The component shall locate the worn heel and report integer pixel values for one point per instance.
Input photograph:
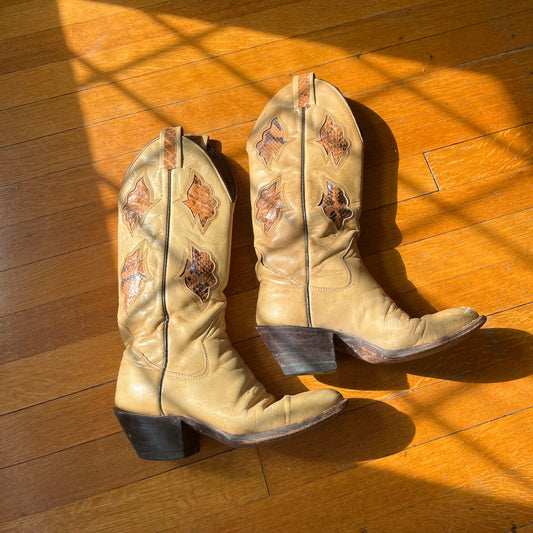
(300, 350)
(158, 438)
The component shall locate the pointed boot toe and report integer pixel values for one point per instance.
(315, 404)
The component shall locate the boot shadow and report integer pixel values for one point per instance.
(370, 430)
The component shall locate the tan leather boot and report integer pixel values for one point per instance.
(306, 155)
(179, 374)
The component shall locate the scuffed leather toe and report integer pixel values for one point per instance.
(312, 403)
(446, 323)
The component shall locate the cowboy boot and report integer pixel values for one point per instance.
(306, 154)
(179, 375)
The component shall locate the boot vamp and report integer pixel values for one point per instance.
(228, 396)
(363, 310)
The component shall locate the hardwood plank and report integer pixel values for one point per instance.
(35, 16)
(99, 182)
(186, 22)
(443, 211)
(39, 471)
(442, 95)
(97, 360)
(57, 425)
(65, 370)
(58, 234)
(82, 38)
(131, 95)
(175, 498)
(489, 155)
(102, 465)
(420, 474)
(68, 189)
(58, 277)
(490, 243)
(502, 503)
(448, 210)
(478, 289)
(58, 322)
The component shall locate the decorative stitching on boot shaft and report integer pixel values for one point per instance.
(201, 201)
(132, 277)
(198, 273)
(138, 202)
(333, 140)
(269, 205)
(272, 141)
(335, 204)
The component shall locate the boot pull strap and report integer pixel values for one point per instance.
(171, 153)
(303, 90)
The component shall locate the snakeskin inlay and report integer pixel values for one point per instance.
(304, 90)
(171, 141)
(137, 204)
(200, 201)
(198, 273)
(269, 206)
(335, 205)
(132, 277)
(272, 141)
(333, 140)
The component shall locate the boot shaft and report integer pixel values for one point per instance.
(306, 156)
(174, 240)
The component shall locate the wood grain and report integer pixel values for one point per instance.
(177, 497)
(382, 486)
(442, 94)
(497, 504)
(110, 100)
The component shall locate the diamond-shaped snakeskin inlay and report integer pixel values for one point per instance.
(132, 277)
(272, 141)
(198, 273)
(137, 204)
(200, 201)
(333, 140)
(335, 205)
(269, 206)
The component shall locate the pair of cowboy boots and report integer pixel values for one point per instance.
(179, 375)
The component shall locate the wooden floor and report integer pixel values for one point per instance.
(442, 92)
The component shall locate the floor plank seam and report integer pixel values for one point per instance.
(522, 124)
(60, 26)
(262, 469)
(61, 397)
(461, 228)
(431, 172)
